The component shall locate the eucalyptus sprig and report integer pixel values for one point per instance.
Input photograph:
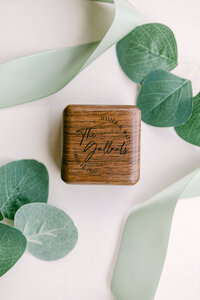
(147, 55)
(46, 231)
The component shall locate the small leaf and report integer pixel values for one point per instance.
(12, 246)
(147, 48)
(50, 232)
(190, 131)
(22, 182)
(165, 99)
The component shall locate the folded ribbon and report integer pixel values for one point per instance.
(145, 240)
(37, 76)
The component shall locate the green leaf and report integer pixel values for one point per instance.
(165, 99)
(147, 48)
(12, 246)
(50, 232)
(190, 131)
(22, 182)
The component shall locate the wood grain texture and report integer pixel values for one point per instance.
(101, 144)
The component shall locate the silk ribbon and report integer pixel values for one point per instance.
(37, 76)
(145, 241)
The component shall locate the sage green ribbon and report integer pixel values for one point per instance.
(37, 76)
(145, 240)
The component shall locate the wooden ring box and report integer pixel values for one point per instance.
(101, 144)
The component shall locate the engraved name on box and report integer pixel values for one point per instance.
(89, 144)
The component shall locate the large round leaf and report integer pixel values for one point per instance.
(12, 246)
(50, 232)
(165, 99)
(190, 131)
(22, 182)
(147, 48)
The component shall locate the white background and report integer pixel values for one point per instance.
(181, 272)
(33, 131)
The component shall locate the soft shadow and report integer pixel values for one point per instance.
(55, 144)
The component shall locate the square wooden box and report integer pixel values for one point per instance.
(101, 144)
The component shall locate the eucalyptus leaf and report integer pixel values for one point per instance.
(49, 231)
(22, 182)
(147, 48)
(12, 246)
(165, 99)
(190, 131)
